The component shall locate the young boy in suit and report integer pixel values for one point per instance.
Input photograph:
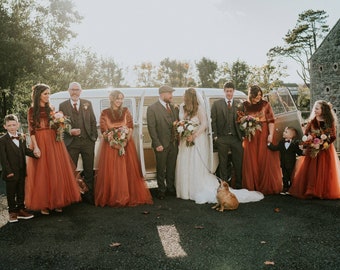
(289, 148)
(13, 151)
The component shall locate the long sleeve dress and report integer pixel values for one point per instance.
(318, 176)
(51, 181)
(119, 181)
(261, 167)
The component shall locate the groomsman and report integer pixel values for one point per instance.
(160, 117)
(227, 135)
(83, 135)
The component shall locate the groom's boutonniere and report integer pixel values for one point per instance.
(86, 106)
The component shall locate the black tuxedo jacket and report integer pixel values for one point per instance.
(13, 158)
(219, 117)
(87, 116)
(287, 156)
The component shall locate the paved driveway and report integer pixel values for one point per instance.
(279, 232)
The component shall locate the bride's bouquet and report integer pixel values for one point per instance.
(184, 129)
(60, 123)
(117, 138)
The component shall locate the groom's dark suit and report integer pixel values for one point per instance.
(160, 126)
(227, 136)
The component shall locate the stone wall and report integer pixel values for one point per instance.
(325, 73)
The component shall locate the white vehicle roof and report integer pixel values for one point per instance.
(137, 92)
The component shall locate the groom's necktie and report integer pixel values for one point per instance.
(168, 108)
(229, 104)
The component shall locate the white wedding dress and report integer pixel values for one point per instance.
(193, 179)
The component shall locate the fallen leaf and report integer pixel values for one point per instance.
(199, 227)
(269, 263)
(115, 244)
(276, 210)
(263, 242)
(145, 212)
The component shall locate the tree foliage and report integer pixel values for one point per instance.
(175, 73)
(207, 73)
(32, 35)
(302, 41)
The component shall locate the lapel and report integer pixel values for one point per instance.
(224, 109)
(84, 113)
(11, 143)
(164, 113)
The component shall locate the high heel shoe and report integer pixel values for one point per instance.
(58, 210)
(44, 211)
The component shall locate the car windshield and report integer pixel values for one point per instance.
(281, 101)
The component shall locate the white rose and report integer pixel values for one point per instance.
(323, 137)
(304, 138)
(190, 128)
(180, 129)
(123, 136)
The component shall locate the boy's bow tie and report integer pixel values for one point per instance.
(15, 137)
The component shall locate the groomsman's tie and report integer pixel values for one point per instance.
(229, 104)
(168, 108)
(75, 107)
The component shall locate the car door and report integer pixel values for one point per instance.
(139, 134)
(213, 156)
(285, 111)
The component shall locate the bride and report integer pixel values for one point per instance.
(193, 179)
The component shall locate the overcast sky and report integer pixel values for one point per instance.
(133, 31)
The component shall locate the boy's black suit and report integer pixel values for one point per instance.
(287, 158)
(13, 160)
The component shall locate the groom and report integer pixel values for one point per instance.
(160, 117)
(227, 135)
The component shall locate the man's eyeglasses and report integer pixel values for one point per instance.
(75, 90)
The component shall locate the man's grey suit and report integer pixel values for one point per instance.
(83, 144)
(160, 126)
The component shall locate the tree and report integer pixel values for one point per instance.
(175, 73)
(239, 74)
(32, 35)
(207, 73)
(302, 41)
(267, 76)
(146, 74)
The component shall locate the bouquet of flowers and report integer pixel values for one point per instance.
(117, 138)
(249, 124)
(316, 141)
(60, 123)
(184, 129)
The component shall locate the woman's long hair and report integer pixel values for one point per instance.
(37, 90)
(328, 113)
(190, 102)
(113, 96)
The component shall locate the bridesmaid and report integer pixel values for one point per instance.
(119, 181)
(318, 172)
(51, 183)
(261, 168)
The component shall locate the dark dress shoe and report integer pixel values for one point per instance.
(161, 195)
(171, 193)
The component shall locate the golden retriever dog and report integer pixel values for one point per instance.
(225, 199)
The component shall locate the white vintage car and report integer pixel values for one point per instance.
(138, 99)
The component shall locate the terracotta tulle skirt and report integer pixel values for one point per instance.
(119, 180)
(261, 169)
(50, 179)
(317, 177)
